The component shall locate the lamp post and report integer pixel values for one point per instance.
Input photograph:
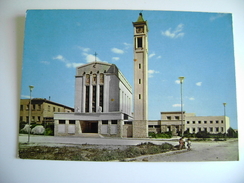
(181, 91)
(29, 121)
(225, 117)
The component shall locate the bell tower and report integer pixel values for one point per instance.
(140, 124)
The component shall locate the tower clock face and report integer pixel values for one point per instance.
(139, 29)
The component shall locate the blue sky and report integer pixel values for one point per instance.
(198, 46)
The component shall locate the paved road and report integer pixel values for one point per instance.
(201, 151)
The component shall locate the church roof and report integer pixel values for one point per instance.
(140, 18)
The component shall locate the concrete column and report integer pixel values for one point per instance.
(100, 127)
(98, 92)
(66, 126)
(77, 127)
(109, 127)
(90, 95)
(55, 127)
(120, 128)
(83, 100)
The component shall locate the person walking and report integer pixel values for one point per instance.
(189, 144)
(181, 143)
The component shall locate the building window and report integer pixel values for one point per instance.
(21, 107)
(222, 129)
(211, 122)
(169, 117)
(33, 107)
(87, 79)
(139, 66)
(205, 129)
(33, 118)
(39, 118)
(101, 78)
(101, 97)
(199, 122)
(39, 107)
(177, 117)
(139, 81)
(53, 109)
(139, 42)
(205, 122)
(211, 129)
(72, 122)
(104, 122)
(58, 109)
(188, 122)
(199, 129)
(114, 122)
(94, 81)
(94, 101)
(139, 96)
(193, 129)
(217, 129)
(193, 122)
(87, 98)
(222, 121)
(48, 108)
(27, 107)
(61, 121)
(217, 121)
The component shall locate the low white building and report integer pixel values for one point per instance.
(103, 100)
(171, 121)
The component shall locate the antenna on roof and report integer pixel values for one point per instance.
(49, 97)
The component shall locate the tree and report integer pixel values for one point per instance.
(232, 133)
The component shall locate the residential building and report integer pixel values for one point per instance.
(42, 110)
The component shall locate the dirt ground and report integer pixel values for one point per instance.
(88, 152)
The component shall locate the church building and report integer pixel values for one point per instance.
(103, 100)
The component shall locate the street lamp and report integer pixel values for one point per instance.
(225, 117)
(31, 88)
(181, 91)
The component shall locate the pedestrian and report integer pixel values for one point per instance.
(181, 143)
(189, 144)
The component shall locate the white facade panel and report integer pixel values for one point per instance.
(71, 129)
(61, 128)
(104, 129)
(114, 129)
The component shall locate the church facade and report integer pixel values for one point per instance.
(103, 100)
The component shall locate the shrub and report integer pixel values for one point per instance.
(202, 134)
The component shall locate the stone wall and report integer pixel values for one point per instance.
(140, 128)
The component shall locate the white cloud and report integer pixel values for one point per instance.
(151, 55)
(199, 83)
(151, 73)
(59, 57)
(191, 98)
(177, 105)
(176, 33)
(127, 45)
(25, 96)
(219, 15)
(177, 81)
(90, 58)
(158, 57)
(84, 49)
(45, 62)
(67, 63)
(115, 58)
(116, 50)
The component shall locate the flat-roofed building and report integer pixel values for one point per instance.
(171, 121)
